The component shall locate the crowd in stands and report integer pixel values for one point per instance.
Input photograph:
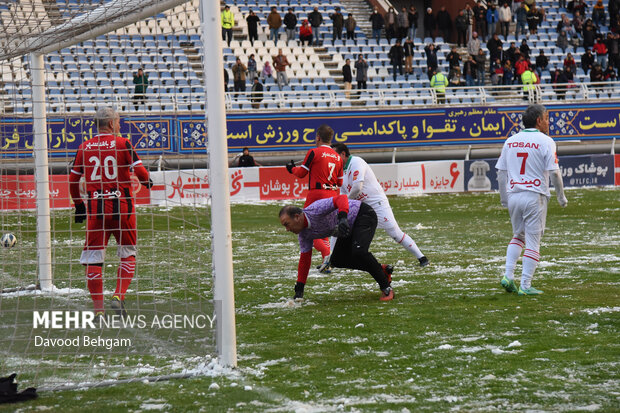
(479, 28)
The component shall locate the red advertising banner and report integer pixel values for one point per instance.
(617, 169)
(277, 183)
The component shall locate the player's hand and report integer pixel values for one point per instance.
(563, 202)
(344, 230)
(80, 213)
(290, 166)
(504, 203)
(299, 290)
(148, 184)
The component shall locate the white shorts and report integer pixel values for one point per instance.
(528, 214)
(385, 216)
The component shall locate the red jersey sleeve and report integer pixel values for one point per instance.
(77, 170)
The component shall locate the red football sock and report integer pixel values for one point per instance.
(124, 276)
(322, 245)
(94, 281)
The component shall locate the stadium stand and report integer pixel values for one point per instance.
(167, 45)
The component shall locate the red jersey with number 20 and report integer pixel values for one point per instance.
(325, 167)
(106, 162)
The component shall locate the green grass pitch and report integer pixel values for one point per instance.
(452, 340)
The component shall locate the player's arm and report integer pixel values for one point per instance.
(556, 180)
(303, 267)
(358, 174)
(502, 181)
(138, 168)
(301, 171)
(74, 188)
(341, 202)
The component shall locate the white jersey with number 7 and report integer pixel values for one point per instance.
(528, 157)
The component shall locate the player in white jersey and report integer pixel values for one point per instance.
(527, 162)
(360, 183)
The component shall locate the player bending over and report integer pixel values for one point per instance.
(324, 168)
(527, 162)
(359, 182)
(106, 161)
(353, 222)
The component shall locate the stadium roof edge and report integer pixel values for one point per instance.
(104, 19)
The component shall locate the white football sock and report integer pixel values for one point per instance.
(530, 262)
(513, 252)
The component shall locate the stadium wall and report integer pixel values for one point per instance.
(190, 187)
(285, 131)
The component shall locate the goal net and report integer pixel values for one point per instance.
(170, 327)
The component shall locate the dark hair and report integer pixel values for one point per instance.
(245, 148)
(532, 114)
(325, 133)
(340, 148)
(290, 210)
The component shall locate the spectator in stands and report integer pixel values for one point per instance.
(402, 21)
(473, 45)
(429, 24)
(305, 33)
(347, 77)
(239, 70)
(562, 41)
(244, 159)
(274, 20)
(252, 68)
(470, 71)
(267, 72)
(460, 23)
(469, 17)
(587, 61)
(480, 16)
(337, 24)
(559, 79)
(600, 48)
(349, 25)
(562, 4)
(409, 49)
(521, 20)
(589, 34)
(431, 59)
(444, 24)
(413, 16)
(570, 62)
(316, 19)
(226, 78)
(290, 23)
(481, 61)
(141, 83)
(598, 14)
(492, 19)
(495, 47)
(565, 25)
(455, 79)
(505, 17)
(511, 53)
(533, 19)
(228, 21)
(376, 20)
(578, 22)
(525, 49)
(497, 72)
(508, 72)
(396, 55)
(361, 75)
(542, 62)
(454, 61)
(575, 42)
(439, 82)
(257, 96)
(280, 62)
(521, 66)
(610, 75)
(579, 6)
(596, 74)
(252, 21)
(390, 25)
(528, 80)
(613, 46)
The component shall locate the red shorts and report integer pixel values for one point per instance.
(316, 194)
(109, 216)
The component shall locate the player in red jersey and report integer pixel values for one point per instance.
(325, 172)
(106, 162)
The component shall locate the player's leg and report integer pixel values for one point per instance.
(535, 216)
(386, 220)
(127, 239)
(92, 258)
(515, 246)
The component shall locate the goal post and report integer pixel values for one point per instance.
(46, 228)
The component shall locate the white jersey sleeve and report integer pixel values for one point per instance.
(528, 157)
(358, 170)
